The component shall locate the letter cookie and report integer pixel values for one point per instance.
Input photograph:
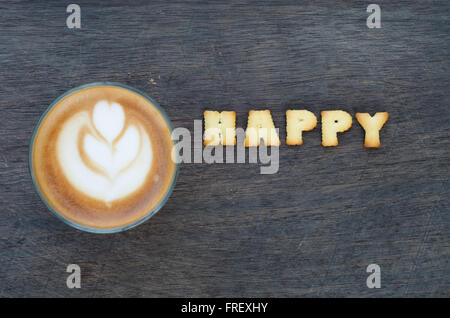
(298, 121)
(372, 127)
(260, 125)
(334, 121)
(220, 128)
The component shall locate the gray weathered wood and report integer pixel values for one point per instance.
(309, 230)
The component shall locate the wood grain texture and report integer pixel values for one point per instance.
(309, 230)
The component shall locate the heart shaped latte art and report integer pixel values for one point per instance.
(109, 119)
(112, 160)
(111, 157)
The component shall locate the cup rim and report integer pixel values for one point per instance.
(81, 227)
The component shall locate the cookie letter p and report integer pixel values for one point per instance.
(298, 121)
(334, 121)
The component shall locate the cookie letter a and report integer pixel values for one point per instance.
(260, 125)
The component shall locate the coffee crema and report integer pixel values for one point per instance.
(101, 157)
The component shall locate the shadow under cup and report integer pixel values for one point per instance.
(146, 207)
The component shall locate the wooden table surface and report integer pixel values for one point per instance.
(309, 230)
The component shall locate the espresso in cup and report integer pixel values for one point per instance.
(101, 157)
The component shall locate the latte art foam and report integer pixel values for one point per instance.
(100, 156)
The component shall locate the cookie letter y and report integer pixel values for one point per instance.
(372, 127)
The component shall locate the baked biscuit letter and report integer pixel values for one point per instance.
(298, 121)
(260, 125)
(372, 127)
(220, 128)
(334, 121)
